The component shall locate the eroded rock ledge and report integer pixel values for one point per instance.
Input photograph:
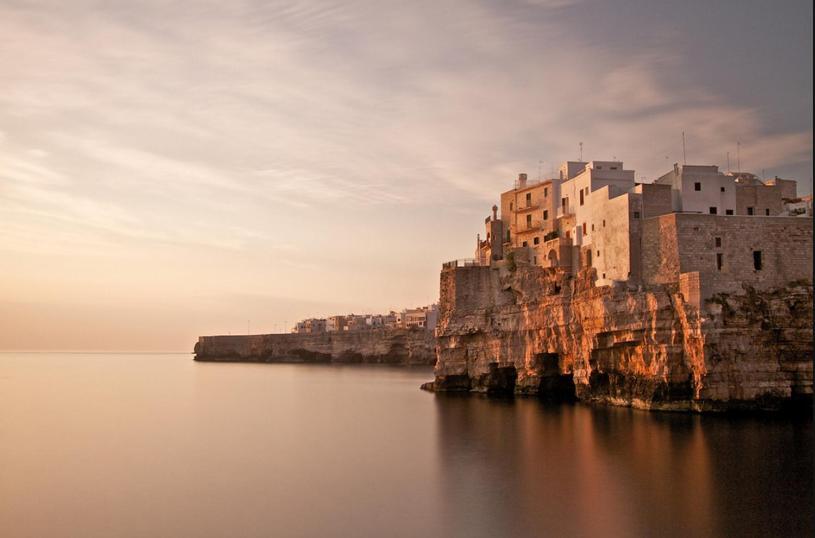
(544, 332)
(385, 345)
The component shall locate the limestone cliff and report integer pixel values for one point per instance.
(382, 345)
(540, 331)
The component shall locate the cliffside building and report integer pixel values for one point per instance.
(694, 225)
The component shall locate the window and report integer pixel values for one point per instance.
(757, 260)
(718, 241)
(563, 202)
(584, 229)
(581, 196)
(728, 211)
(604, 223)
(719, 257)
(697, 186)
(536, 240)
(767, 212)
(713, 210)
(545, 192)
(636, 214)
(604, 275)
(722, 189)
(526, 244)
(545, 214)
(510, 206)
(749, 210)
(613, 167)
(598, 253)
(567, 234)
(507, 236)
(529, 221)
(528, 199)
(598, 167)
(592, 226)
(534, 260)
(488, 236)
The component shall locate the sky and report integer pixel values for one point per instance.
(174, 169)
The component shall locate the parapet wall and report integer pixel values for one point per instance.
(381, 345)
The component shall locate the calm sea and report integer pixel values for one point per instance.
(157, 445)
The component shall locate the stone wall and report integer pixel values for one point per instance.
(761, 198)
(381, 345)
(682, 242)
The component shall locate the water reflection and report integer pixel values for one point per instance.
(523, 468)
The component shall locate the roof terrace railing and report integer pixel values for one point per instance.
(462, 262)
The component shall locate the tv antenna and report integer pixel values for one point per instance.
(738, 156)
(581, 151)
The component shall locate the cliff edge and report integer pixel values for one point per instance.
(380, 345)
(543, 331)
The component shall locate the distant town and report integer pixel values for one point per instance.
(423, 317)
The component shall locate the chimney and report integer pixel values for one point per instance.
(521, 181)
(495, 212)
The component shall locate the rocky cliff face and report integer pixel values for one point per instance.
(544, 332)
(391, 346)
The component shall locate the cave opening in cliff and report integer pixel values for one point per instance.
(500, 380)
(554, 384)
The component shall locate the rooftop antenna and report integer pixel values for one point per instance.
(738, 156)
(581, 151)
(684, 155)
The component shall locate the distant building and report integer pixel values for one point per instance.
(335, 324)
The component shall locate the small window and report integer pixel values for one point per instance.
(604, 223)
(636, 214)
(581, 196)
(767, 212)
(529, 221)
(529, 198)
(749, 210)
(728, 211)
(568, 235)
(613, 167)
(545, 192)
(545, 214)
(722, 189)
(697, 186)
(584, 229)
(592, 226)
(536, 241)
(598, 253)
(534, 260)
(510, 206)
(525, 243)
(507, 236)
(713, 210)
(719, 258)
(604, 275)
(757, 260)
(598, 167)
(563, 204)
(718, 241)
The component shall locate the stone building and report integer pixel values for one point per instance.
(594, 214)
(310, 326)
(335, 324)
